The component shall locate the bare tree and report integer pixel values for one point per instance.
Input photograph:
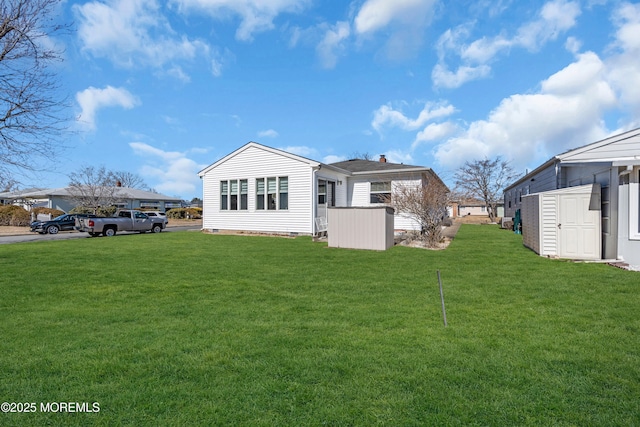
(485, 180)
(33, 113)
(8, 184)
(93, 188)
(426, 203)
(360, 156)
(128, 180)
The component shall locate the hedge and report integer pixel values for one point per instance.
(15, 216)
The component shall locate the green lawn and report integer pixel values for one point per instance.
(192, 329)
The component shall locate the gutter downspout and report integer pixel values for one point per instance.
(314, 188)
(627, 172)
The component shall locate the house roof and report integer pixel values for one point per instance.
(123, 192)
(348, 167)
(251, 144)
(360, 166)
(17, 193)
(622, 148)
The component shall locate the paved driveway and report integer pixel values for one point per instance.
(66, 235)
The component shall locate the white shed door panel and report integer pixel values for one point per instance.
(579, 228)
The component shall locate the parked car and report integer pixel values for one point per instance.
(63, 222)
(158, 214)
(124, 220)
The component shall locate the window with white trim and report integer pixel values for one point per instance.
(272, 193)
(224, 195)
(283, 193)
(260, 193)
(244, 194)
(322, 192)
(233, 185)
(233, 194)
(380, 192)
(633, 182)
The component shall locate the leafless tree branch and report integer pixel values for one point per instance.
(426, 203)
(485, 180)
(93, 188)
(33, 113)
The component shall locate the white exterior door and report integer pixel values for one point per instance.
(579, 228)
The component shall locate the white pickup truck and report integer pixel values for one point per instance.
(124, 220)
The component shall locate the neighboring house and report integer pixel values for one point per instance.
(562, 195)
(62, 199)
(13, 197)
(474, 207)
(262, 189)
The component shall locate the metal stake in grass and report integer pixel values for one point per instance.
(444, 313)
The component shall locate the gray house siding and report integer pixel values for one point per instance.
(543, 180)
(614, 164)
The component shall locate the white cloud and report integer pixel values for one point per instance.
(555, 18)
(565, 113)
(402, 21)
(179, 74)
(269, 133)
(443, 77)
(132, 33)
(386, 115)
(375, 15)
(399, 156)
(301, 150)
(624, 65)
(173, 171)
(92, 99)
(434, 132)
(332, 158)
(332, 44)
(255, 15)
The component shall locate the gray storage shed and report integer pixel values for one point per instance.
(361, 227)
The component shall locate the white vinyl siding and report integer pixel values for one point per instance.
(361, 196)
(251, 164)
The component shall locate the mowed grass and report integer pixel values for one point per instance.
(193, 329)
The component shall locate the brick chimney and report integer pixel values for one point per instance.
(383, 159)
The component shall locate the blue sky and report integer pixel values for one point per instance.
(165, 88)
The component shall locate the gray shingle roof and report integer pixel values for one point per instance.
(359, 165)
(125, 193)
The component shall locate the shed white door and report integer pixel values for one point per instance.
(579, 228)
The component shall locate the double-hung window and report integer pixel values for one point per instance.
(224, 195)
(283, 193)
(244, 194)
(380, 192)
(260, 194)
(233, 194)
(272, 193)
(322, 192)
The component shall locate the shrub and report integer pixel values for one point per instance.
(15, 216)
(185, 213)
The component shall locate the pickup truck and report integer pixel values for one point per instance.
(124, 220)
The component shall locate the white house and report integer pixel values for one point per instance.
(262, 189)
(610, 169)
